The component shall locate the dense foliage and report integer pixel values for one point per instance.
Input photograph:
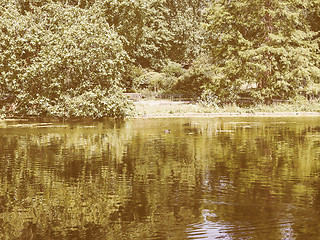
(69, 58)
(61, 61)
(263, 48)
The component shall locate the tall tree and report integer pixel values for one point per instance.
(142, 27)
(157, 30)
(185, 22)
(265, 48)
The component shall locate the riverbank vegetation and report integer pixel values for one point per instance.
(75, 58)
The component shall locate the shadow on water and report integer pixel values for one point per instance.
(222, 178)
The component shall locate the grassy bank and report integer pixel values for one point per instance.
(166, 108)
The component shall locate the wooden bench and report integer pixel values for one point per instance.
(133, 96)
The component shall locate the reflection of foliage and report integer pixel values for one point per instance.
(77, 181)
(74, 205)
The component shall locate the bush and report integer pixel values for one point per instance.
(95, 103)
(194, 80)
(154, 81)
(173, 69)
(208, 99)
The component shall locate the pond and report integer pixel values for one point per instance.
(179, 178)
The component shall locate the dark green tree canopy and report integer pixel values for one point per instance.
(265, 46)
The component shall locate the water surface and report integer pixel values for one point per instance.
(206, 178)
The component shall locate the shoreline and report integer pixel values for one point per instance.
(192, 115)
(148, 109)
(180, 109)
(230, 114)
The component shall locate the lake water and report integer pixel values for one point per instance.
(208, 178)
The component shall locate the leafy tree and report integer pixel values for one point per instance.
(157, 30)
(263, 48)
(185, 22)
(60, 52)
(142, 27)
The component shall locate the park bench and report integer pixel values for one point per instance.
(134, 96)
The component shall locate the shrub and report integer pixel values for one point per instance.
(195, 79)
(208, 99)
(95, 103)
(173, 69)
(153, 81)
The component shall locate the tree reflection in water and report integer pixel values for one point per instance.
(235, 178)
